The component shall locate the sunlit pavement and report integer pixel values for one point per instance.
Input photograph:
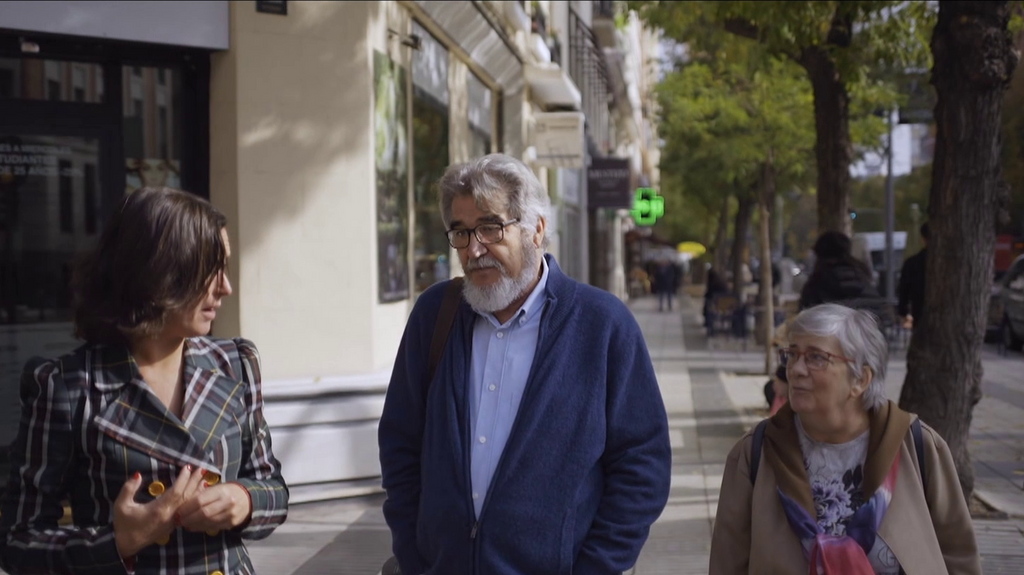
(713, 394)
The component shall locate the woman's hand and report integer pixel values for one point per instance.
(139, 525)
(216, 508)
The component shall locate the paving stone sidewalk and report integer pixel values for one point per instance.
(713, 394)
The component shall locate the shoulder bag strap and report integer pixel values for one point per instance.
(915, 430)
(445, 319)
(755, 450)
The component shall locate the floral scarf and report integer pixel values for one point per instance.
(832, 554)
(842, 554)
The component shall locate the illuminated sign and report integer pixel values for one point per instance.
(648, 206)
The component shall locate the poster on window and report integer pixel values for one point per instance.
(391, 160)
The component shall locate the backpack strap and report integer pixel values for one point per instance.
(445, 319)
(755, 449)
(915, 430)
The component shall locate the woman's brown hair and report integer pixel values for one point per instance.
(157, 255)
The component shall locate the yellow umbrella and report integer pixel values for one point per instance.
(693, 248)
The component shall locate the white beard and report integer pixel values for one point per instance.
(494, 298)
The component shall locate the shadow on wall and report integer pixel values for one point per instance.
(305, 152)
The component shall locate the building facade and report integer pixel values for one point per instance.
(319, 129)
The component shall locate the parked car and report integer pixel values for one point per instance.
(1011, 300)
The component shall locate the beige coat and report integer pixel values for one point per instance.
(930, 532)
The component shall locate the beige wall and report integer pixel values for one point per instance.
(292, 166)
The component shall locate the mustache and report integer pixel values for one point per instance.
(484, 262)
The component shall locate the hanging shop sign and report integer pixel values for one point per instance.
(558, 140)
(608, 184)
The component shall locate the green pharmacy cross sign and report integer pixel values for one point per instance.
(648, 206)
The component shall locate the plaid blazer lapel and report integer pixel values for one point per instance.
(135, 417)
(214, 400)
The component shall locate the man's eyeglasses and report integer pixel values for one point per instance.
(814, 358)
(485, 234)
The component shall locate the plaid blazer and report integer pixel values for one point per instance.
(89, 422)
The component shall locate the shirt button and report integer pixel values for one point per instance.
(483, 439)
(476, 496)
(492, 387)
(501, 335)
(522, 320)
(156, 489)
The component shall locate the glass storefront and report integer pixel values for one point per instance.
(49, 191)
(430, 155)
(152, 131)
(52, 80)
(79, 129)
(480, 98)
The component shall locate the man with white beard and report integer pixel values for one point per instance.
(540, 445)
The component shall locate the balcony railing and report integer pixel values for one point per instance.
(588, 70)
(604, 9)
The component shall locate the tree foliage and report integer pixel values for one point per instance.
(849, 51)
(722, 116)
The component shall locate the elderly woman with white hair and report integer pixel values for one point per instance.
(840, 480)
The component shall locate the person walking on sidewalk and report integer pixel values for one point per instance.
(864, 487)
(666, 282)
(911, 296)
(540, 445)
(153, 431)
(839, 277)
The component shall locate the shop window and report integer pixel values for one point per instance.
(152, 142)
(54, 80)
(430, 117)
(66, 197)
(480, 98)
(90, 200)
(39, 175)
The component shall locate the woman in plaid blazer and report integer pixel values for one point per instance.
(151, 431)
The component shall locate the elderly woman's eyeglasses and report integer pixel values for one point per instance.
(485, 234)
(814, 358)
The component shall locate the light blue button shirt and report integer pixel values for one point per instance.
(502, 356)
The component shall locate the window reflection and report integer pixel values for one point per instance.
(480, 97)
(152, 116)
(48, 217)
(55, 80)
(430, 158)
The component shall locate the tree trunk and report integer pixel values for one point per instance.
(739, 243)
(974, 62)
(832, 144)
(767, 198)
(722, 236)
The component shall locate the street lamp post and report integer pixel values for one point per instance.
(890, 220)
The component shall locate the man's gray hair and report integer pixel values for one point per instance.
(859, 339)
(499, 183)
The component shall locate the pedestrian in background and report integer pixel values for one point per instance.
(863, 487)
(911, 302)
(540, 444)
(152, 431)
(838, 277)
(666, 280)
(715, 287)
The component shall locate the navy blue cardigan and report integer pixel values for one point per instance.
(586, 470)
